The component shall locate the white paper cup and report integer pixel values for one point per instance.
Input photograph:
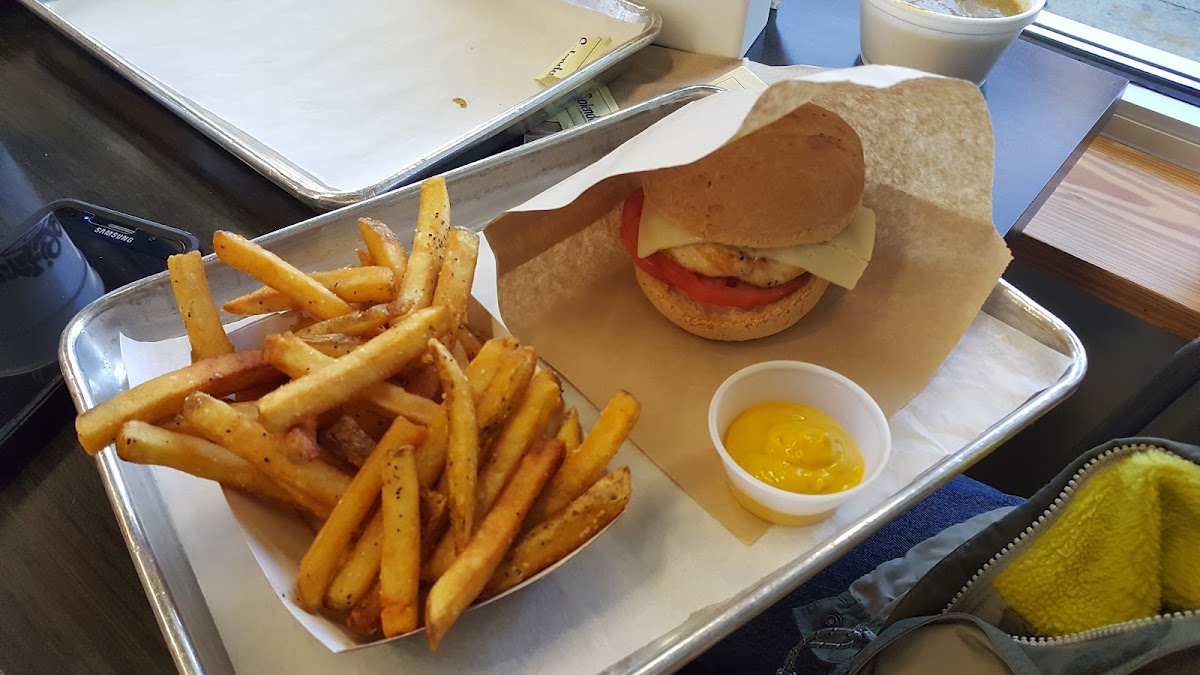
(895, 33)
(44, 282)
(836, 395)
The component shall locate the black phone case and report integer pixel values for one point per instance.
(191, 243)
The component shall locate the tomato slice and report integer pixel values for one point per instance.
(723, 291)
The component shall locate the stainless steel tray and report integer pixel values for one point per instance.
(441, 136)
(145, 311)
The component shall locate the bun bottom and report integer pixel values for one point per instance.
(733, 324)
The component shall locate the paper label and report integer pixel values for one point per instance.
(592, 105)
(586, 50)
(596, 103)
(740, 78)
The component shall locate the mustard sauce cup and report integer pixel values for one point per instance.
(843, 400)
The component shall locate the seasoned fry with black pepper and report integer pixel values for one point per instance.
(420, 276)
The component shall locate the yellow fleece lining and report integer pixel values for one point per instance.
(1127, 546)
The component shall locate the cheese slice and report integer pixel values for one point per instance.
(841, 260)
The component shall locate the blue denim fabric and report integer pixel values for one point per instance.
(761, 645)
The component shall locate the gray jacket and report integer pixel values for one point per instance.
(936, 609)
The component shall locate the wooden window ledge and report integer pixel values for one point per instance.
(1125, 227)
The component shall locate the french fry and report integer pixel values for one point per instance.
(431, 455)
(399, 572)
(462, 448)
(526, 425)
(320, 563)
(364, 619)
(334, 344)
(364, 258)
(503, 394)
(422, 380)
(455, 590)
(507, 369)
(457, 274)
(144, 443)
(435, 563)
(375, 425)
(300, 442)
(309, 295)
(252, 394)
(460, 355)
(302, 321)
(569, 430)
(196, 307)
(223, 425)
(435, 516)
(483, 368)
(297, 359)
(470, 342)
(549, 542)
(382, 246)
(163, 396)
(420, 276)
(347, 441)
(371, 285)
(177, 423)
(362, 565)
(366, 322)
(360, 570)
(344, 378)
(313, 521)
(581, 468)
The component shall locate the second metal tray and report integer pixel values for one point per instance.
(391, 73)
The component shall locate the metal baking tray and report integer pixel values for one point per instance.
(332, 176)
(145, 311)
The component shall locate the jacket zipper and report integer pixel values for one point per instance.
(1105, 631)
(1048, 517)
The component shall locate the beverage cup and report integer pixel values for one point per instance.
(44, 282)
(897, 33)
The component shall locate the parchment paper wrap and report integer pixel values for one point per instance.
(566, 284)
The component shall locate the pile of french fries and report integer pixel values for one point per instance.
(437, 469)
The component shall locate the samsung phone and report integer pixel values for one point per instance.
(120, 249)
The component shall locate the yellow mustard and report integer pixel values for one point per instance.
(794, 447)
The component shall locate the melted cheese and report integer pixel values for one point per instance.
(841, 260)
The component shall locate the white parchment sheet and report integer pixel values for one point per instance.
(660, 562)
(348, 92)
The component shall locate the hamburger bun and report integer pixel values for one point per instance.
(815, 179)
(731, 323)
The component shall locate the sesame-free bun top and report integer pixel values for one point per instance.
(796, 181)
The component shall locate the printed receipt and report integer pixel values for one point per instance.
(740, 78)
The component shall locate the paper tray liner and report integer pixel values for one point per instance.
(566, 285)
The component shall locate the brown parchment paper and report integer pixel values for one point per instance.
(566, 285)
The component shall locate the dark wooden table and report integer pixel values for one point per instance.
(70, 600)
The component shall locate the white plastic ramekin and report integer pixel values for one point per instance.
(840, 398)
(896, 33)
